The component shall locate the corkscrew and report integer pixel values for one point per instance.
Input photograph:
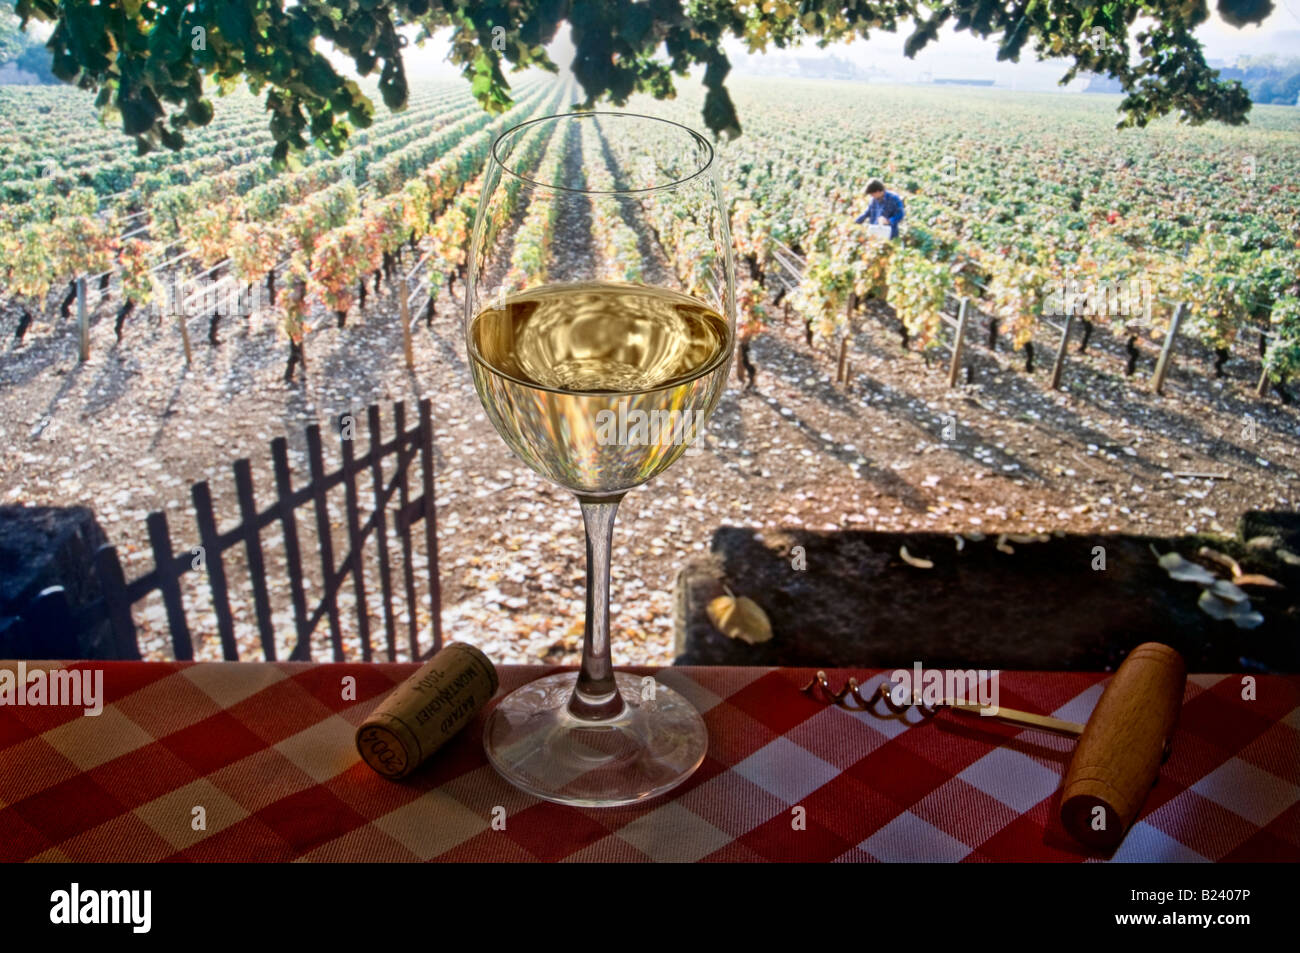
(1010, 716)
(1117, 759)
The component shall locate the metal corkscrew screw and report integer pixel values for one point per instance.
(1010, 716)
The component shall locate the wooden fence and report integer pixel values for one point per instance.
(399, 502)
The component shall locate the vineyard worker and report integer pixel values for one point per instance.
(884, 205)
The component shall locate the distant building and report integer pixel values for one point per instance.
(828, 67)
(958, 81)
(804, 67)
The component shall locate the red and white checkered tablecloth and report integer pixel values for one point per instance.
(267, 751)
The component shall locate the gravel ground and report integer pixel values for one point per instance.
(127, 432)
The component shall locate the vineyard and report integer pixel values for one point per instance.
(163, 314)
(224, 220)
(1029, 220)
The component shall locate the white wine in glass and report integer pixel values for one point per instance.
(598, 384)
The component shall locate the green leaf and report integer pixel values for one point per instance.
(235, 20)
(137, 116)
(199, 112)
(720, 113)
(1241, 13)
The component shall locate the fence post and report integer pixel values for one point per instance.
(301, 651)
(356, 542)
(83, 323)
(1167, 352)
(1059, 365)
(215, 568)
(959, 342)
(844, 357)
(381, 523)
(430, 520)
(403, 517)
(333, 579)
(169, 585)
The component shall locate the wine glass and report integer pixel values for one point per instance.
(599, 321)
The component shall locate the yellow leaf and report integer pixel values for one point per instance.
(916, 561)
(1028, 537)
(1254, 579)
(740, 618)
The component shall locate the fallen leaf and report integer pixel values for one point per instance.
(1255, 579)
(1183, 570)
(1003, 546)
(1240, 614)
(1228, 592)
(1223, 559)
(916, 561)
(740, 618)
(960, 541)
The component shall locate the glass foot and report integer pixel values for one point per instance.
(653, 746)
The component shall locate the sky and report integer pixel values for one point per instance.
(953, 55)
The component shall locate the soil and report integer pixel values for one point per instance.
(893, 451)
(852, 599)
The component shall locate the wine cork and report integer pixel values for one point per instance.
(426, 710)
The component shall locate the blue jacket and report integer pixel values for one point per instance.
(889, 207)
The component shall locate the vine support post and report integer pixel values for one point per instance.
(1059, 364)
(404, 315)
(1261, 388)
(83, 323)
(841, 369)
(185, 335)
(1167, 352)
(959, 341)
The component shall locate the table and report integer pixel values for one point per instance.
(256, 761)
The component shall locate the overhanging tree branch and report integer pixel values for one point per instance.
(154, 62)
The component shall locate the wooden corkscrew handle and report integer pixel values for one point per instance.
(1126, 739)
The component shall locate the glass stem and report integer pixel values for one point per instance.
(596, 696)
